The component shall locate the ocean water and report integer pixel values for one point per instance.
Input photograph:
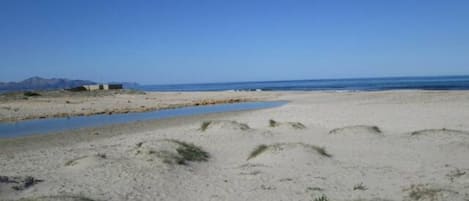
(361, 84)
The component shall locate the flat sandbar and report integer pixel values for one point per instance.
(49, 104)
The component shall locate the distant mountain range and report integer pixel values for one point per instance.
(38, 83)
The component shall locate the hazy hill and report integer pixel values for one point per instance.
(38, 83)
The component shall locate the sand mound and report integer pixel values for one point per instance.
(57, 198)
(440, 132)
(86, 161)
(294, 125)
(223, 124)
(357, 130)
(287, 153)
(170, 151)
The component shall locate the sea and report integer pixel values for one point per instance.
(356, 84)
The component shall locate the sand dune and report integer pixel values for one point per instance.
(170, 152)
(223, 125)
(86, 161)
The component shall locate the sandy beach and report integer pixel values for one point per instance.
(350, 146)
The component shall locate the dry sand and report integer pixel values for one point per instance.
(394, 145)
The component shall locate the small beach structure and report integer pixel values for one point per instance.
(95, 87)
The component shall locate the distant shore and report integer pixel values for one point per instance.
(52, 104)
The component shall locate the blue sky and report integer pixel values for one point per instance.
(193, 41)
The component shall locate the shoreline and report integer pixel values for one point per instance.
(72, 104)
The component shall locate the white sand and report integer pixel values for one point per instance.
(396, 145)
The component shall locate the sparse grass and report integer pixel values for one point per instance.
(322, 151)
(376, 129)
(280, 146)
(74, 161)
(22, 183)
(321, 198)
(57, 198)
(183, 152)
(422, 192)
(190, 152)
(273, 123)
(314, 189)
(101, 155)
(455, 174)
(243, 126)
(31, 93)
(426, 131)
(258, 150)
(373, 129)
(205, 125)
(360, 187)
(297, 125)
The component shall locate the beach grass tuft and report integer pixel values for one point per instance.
(273, 123)
(258, 150)
(295, 125)
(31, 93)
(360, 187)
(281, 146)
(422, 192)
(321, 198)
(190, 152)
(322, 151)
(205, 125)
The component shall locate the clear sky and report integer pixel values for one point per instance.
(193, 41)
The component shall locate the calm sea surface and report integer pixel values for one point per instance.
(365, 84)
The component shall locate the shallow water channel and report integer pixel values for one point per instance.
(41, 126)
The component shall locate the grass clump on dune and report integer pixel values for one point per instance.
(321, 198)
(429, 131)
(273, 123)
(360, 187)
(295, 125)
(225, 124)
(171, 151)
(322, 151)
(31, 93)
(190, 152)
(258, 150)
(282, 146)
(205, 125)
(422, 192)
(357, 128)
